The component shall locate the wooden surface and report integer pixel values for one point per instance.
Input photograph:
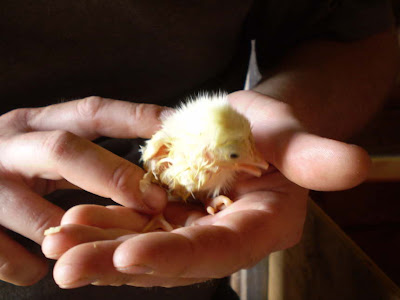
(385, 168)
(252, 284)
(326, 265)
(370, 215)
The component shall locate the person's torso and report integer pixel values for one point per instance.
(149, 51)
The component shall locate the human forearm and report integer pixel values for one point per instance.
(334, 88)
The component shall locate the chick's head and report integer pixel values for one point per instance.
(212, 131)
(234, 146)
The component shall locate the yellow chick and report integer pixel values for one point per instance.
(198, 152)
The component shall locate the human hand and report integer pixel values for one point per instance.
(267, 215)
(49, 148)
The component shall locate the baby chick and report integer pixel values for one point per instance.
(199, 151)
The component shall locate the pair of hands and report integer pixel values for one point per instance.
(49, 148)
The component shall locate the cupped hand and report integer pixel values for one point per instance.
(102, 245)
(49, 148)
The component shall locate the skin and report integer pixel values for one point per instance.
(288, 123)
(43, 148)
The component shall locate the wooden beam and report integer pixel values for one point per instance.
(385, 168)
(326, 265)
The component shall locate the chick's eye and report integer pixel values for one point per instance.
(234, 155)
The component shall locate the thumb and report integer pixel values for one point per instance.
(306, 159)
(319, 163)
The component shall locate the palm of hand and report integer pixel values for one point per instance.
(110, 250)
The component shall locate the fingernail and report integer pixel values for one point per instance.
(136, 269)
(154, 197)
(64, 277)
(77, 283)
(52, 255)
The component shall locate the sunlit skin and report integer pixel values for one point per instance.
(89, 252)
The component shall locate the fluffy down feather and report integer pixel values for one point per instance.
(200, 149)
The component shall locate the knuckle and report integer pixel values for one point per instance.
(49, 217)
(18, 118)
(122, 177)
(17, 114)
(88, 107)
(138, 111)
(58, 143)
(142, 111)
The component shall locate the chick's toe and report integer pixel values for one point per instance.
(158, 222)
(218, 203)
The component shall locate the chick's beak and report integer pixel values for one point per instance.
(253, 165)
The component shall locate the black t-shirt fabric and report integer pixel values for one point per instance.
(158, 52)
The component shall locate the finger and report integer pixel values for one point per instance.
(311, 161)
(60, 239)
(88, 223)
(322, 164)
(92, 263)
(17, 265)
(60, 154)
(112, 216)
(181, 254)
(273, 181)
(25, 212)
(90, 118)
(183, 214)
(235, 240)
(45, 187)
(65, 185)
(85, 263)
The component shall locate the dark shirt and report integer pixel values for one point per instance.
(157, 52)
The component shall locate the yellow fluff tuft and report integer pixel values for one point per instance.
(200, 148)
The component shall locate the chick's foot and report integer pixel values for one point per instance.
(218, 203)
(158, 222)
